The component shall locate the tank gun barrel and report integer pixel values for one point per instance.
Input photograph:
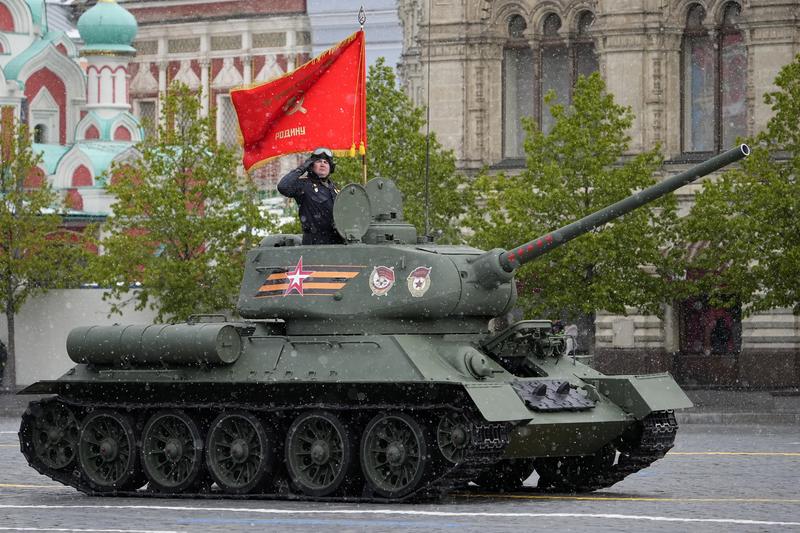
(514, 258)
(497, 265)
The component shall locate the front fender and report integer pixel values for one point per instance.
(641, 395)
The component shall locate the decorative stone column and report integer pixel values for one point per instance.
(247, 56)
(632, 66)
(247, 70)
(205, 87)
(483, 127)
(771, 35)
(163, 64)
(291, 58)
(410, 67)
(446, 51)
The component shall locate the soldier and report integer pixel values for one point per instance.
(314, 194)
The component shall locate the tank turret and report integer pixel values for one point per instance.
(385, 281)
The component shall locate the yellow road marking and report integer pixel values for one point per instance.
(17, 486)
(631, 498)
(765, 454)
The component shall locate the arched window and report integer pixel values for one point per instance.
(562, 63)
(148, 116)
(585, 55)
(714, 81)
(6, 19)
(227, 128)
(122, 134)
(91, 133)
(82, 177)
(518, 87)
(40, 134)
(556, 75)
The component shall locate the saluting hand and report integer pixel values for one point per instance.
(307, 164)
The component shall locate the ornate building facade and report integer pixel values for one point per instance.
(74, 99)
(692, 71)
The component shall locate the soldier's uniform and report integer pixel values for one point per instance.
(314, 197)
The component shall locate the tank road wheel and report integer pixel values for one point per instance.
(319, 455)
(107, 452)
(172, 451)
(453, 436)
(394, 455)
(238, 452)
(53, 434)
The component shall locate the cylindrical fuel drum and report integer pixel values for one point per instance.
(180, 344)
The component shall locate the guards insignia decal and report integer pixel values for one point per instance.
(419, 281)
(381, 280)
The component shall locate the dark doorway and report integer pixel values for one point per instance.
(710, 343)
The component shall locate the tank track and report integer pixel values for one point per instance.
(636, 452)
(650, 440)
(488, 442)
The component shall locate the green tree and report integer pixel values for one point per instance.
(35, 254)
(183, 219)
(577, 169)
(397, 151)
(749, 217)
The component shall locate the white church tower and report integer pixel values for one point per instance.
(107, 30)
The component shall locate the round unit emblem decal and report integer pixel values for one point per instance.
(419, 281)
(381, 280)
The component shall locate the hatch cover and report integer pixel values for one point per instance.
(351, 212)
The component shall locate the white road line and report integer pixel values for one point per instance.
(405, 512)
(84, 530)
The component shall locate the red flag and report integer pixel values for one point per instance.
(322, 103)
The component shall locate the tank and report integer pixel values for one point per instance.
(359, 372)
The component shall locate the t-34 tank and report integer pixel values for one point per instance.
(363, 371)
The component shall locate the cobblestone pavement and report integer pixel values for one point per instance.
(717, 478)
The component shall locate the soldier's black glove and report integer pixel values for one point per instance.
(307, 164)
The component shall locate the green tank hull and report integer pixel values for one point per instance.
(473, 414)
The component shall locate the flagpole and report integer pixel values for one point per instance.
(362, 18)
(248, 230)
(428, 134)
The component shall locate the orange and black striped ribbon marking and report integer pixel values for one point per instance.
(323, 280)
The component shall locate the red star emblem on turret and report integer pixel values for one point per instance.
(296, 278)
